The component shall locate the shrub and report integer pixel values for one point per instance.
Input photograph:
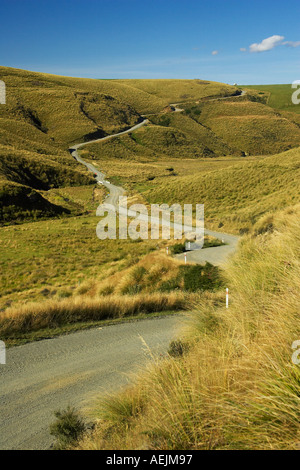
(178, 248)
(67, 429)
(177, 348)
(199, 277)
(171, 284)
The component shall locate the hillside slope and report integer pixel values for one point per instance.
(235, 197)
(45, 113)
(277, 96)
(248, 126)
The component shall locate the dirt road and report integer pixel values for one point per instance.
(71, 370)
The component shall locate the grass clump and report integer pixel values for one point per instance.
(67, 429)
(178, 348)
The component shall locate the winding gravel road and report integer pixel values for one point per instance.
(41, 377)
(72, 370)
(215, 255)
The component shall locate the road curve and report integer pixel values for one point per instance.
(71, 370)
(114, 191)
(214, 255)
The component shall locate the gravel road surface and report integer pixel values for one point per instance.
(47, 375)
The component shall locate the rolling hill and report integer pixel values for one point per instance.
(45, 113)
(235, 196)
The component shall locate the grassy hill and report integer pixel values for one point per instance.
(207, 129)
(177, 91)
(19, 202)
(237, 195)
(278, 96)
(250, 127)
(45, 113)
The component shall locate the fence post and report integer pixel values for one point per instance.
(2, 92)
(2, 353)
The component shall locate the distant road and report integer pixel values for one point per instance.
(114, 191)
(47, 375)
(215, 255)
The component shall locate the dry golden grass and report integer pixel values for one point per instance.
(248, 126)
(175, 91)
(53, 314)
(130, 286)
(148, 275)
(237, 388)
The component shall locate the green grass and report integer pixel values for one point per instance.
(45, 113)
(175, 91)
(248, 126)
(56, 255)
(177, 157)
(280, 96)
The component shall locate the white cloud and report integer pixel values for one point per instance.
(215, 52)
(291, 43)
(267, 44)
(243, 49)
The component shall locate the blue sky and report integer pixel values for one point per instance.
(154, 39)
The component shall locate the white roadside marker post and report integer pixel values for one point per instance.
(167, 250)
(226, 297)
(185, 258)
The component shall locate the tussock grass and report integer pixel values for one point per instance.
(144, 285)
(237, 387)
(52, 314)
(45, 113)
(57, 255)
(147, 275)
